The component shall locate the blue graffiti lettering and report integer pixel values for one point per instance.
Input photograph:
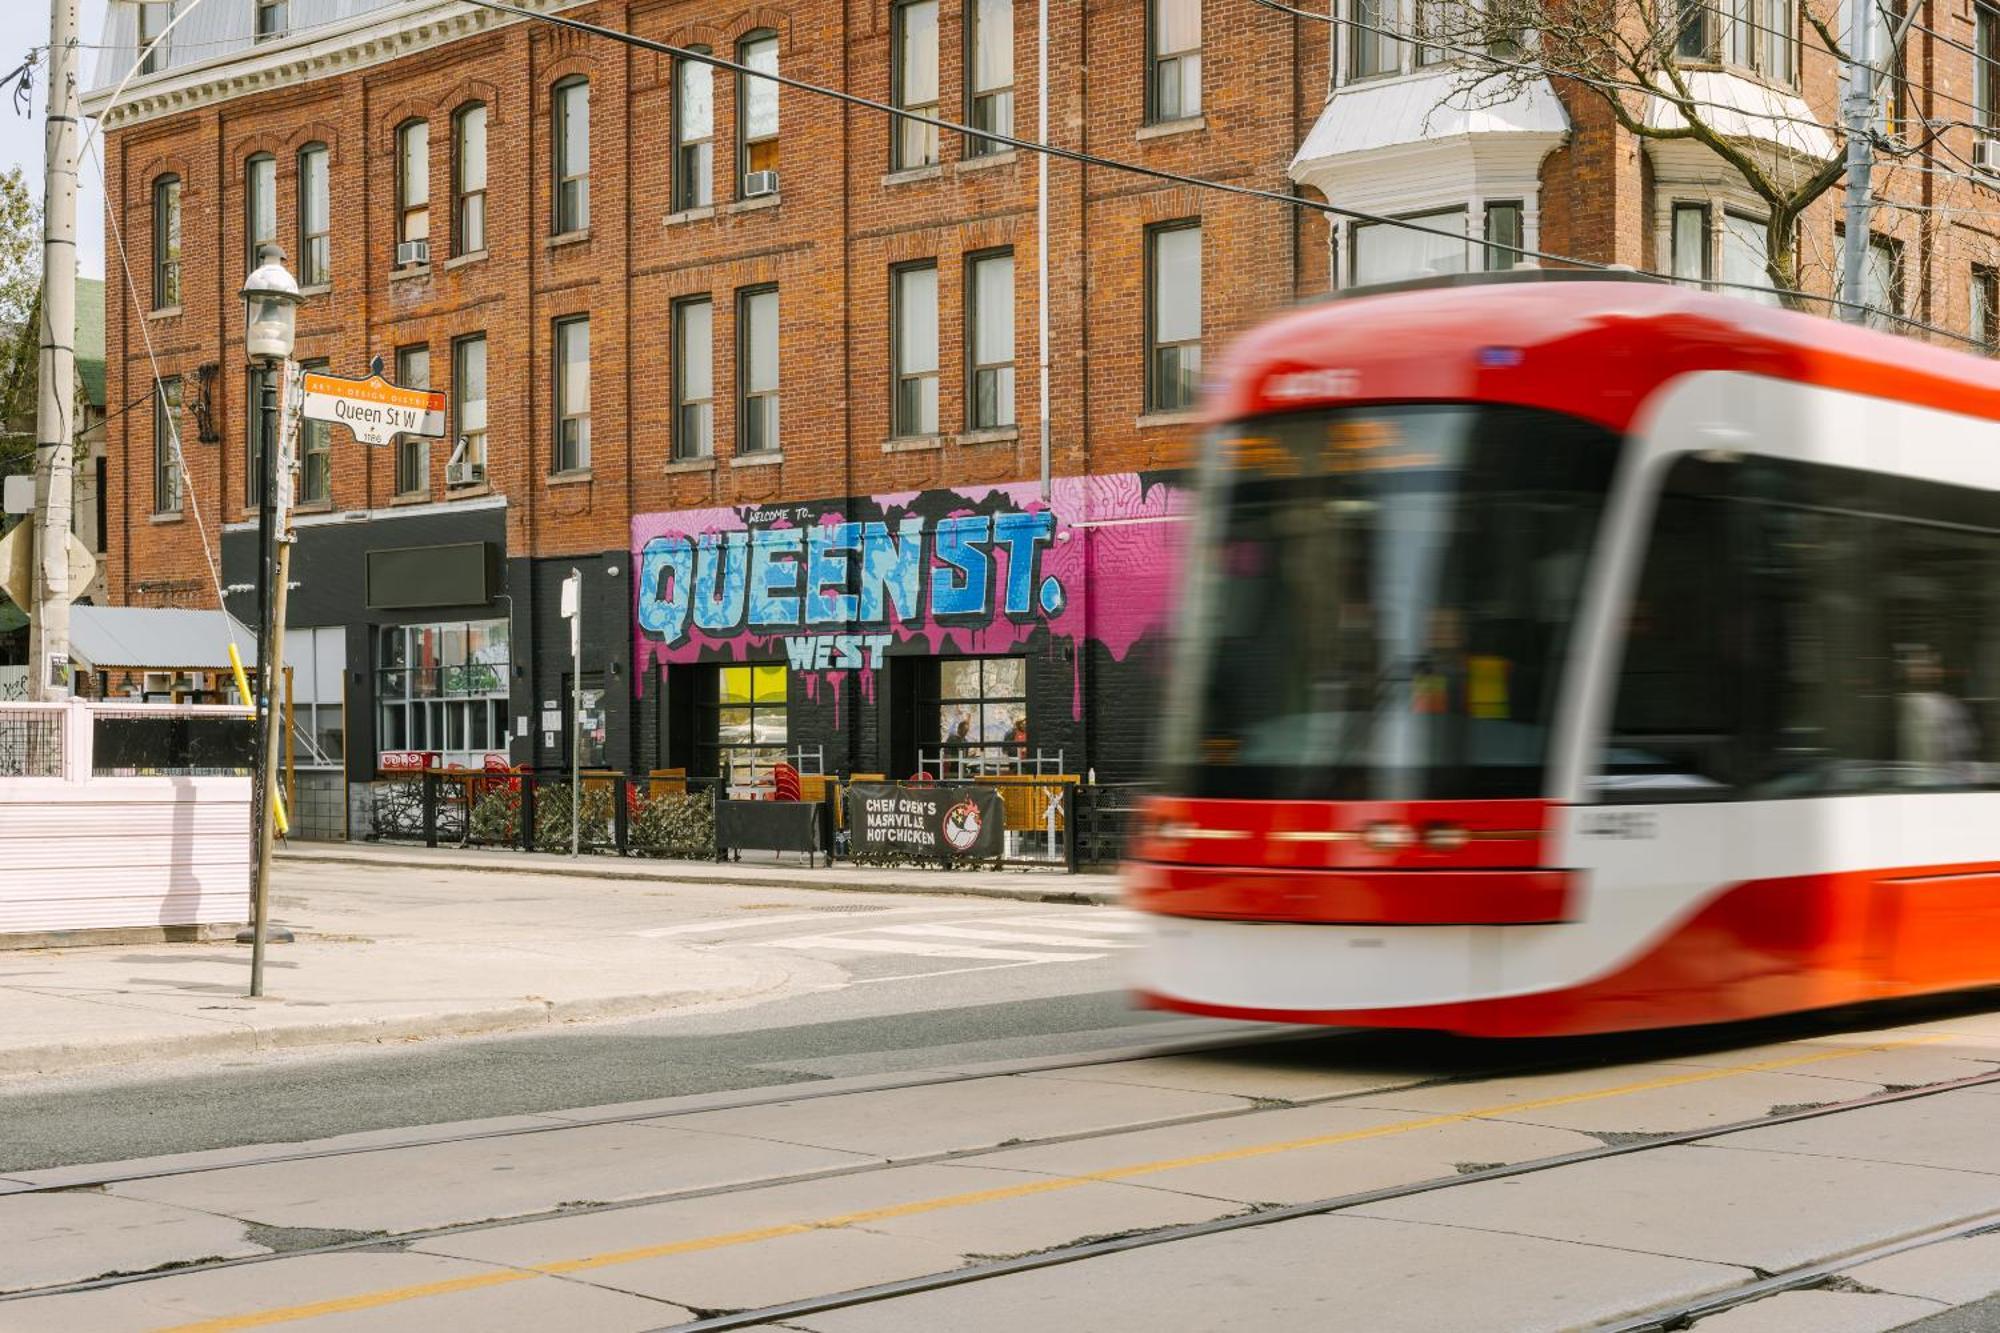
(774, 576)
(891, 566)
(827, 551)
(720, 569)
(958, 585)
(666, 569)
(1021, 533)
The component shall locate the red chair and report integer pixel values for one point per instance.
(784, 783)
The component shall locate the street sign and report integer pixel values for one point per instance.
(19, 492)
(374, 409)
(17, 566)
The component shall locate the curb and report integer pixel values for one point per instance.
(517, 1017)
(1071, 897)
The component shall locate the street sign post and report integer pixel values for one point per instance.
(374, 409)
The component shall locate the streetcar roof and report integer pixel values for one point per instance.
(1592, 344)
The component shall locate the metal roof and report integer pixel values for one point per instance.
(103, 638)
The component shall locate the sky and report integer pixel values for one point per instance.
(25, 24)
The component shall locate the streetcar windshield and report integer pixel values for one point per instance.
(1379, 600)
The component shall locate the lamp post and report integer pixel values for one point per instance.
(270, 303)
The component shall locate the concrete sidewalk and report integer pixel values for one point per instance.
(1037, 885)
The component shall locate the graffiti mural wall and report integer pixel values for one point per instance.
(833, 588)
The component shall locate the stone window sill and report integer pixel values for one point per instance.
(409, 273)
(991, 435)
(580, 477)
(691, 465)
(460, 261)
(911, 175)
(317, 289)
(752, 204)
(1167, 129)
(411, 498)
(1158, 420)
(771, 459)
(687, 215)
(471, 492)
(167, 516)
(164, 312)
(569, 238)
(981, 161)
(316, 507)
(908, 444)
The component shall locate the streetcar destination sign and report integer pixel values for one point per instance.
(374, 409)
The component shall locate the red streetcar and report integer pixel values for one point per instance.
(1570, 654)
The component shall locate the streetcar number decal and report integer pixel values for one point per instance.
(1624, 825)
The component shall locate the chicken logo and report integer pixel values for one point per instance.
(961, 825)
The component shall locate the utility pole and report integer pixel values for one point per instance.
(55, 409)
(1859, 106)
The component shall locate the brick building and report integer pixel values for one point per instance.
(764, 368)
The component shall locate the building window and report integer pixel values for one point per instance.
(315, 451)
(694, 133)
(468, 168)
(315, 218)
(273, 18)
(1173, 76)
(166, 242)
(1743, 250)
(1985, 305)
(1385, 252)
(255, 436)
(260, 207)
(1986, 69)
(166, 453)
(153, 19)
(1882, 282)
(757, 370)
(989, 72)
(743, 723)
(915, 334)
(916, 83)
(318, 661)
(443, 689)
(989, 340)
(982, 711)
(572, 394)
(571, 108)
(757, 117)
(413, 182)
(468, 391)
(1505, 232)
(1690, 243)
(1173, 317)
(1372, 45)
(413, 452)
(1754, 35)
(694, 378)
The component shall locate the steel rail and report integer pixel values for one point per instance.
(1069, 1254)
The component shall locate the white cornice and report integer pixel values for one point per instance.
(372, 39)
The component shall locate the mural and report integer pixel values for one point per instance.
(834, 586)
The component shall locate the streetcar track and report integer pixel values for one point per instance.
(1062, 1254)
(1675, 1318)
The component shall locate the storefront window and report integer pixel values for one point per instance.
(442, 690)
(982, 711)
(744, 723)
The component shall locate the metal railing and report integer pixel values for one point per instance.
(34, 740)
(77, 739)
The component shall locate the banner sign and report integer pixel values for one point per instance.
(374, 409)
(768, 826)
(932, 822)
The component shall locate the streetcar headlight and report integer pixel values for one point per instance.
(1387, 836)
(1444, 837)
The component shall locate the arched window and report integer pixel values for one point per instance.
(260, 207)
(166, 242)
(468, 179)
(570, 133)
(413, 193)
(757, 116)
(694, 133)
(315, 218)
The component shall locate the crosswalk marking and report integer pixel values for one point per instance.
(752, 922)
(981, 931)
(922, 949)
(1113, 923)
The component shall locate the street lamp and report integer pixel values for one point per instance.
(270, 305)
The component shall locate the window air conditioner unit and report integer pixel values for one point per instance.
(412, 252)
(757, 183)
(1986, 156)
(464, 474)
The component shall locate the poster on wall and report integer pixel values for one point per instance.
(935, 823)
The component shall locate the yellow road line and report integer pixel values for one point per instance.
(393, 1295)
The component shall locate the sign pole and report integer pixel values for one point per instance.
(276, 514)
(572, 609)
